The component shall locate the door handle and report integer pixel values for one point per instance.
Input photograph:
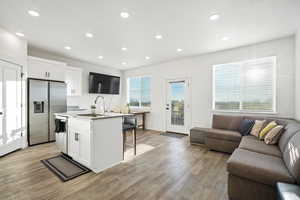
(167, 109)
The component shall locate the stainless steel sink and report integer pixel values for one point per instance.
(90, 115)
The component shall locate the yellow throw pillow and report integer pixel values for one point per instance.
(258, 125)
(273, 135)
(269, 127)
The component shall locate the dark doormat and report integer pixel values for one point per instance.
(174, 135)
(64, 167)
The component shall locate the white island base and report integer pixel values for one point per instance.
(95, 143)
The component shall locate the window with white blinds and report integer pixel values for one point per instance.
(247, 86)
(138, 91)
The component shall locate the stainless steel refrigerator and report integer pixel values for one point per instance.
(44, 99)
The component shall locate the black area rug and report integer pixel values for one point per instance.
(173, 135)
(64, 167)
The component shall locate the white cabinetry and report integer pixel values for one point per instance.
(46, 69)
(97, 144)
(73, 79)
(79, 140)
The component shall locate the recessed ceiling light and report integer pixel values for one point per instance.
(20, 34)
(158, 37)
(124, 49)
(124, 15)
(225, 38)
(33, 13)
(68, 48)
(179, 50)
(214, 17)
(89, 35)
(124, 63)
(147, 57)
(100, 57)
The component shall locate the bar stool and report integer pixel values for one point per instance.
(129, 124)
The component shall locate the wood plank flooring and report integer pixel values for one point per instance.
(173, 169)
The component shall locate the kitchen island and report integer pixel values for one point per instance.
(94, 140)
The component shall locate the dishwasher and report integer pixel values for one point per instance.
(61, 133)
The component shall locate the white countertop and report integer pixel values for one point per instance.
(103, 116)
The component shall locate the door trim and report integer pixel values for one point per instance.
(10, 148)
(188, 80)
(40, 79)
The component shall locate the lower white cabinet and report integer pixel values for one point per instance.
(95, 143)
(79, 140)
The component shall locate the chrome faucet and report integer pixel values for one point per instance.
(96, 100)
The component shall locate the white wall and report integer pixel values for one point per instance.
(297, 75)
(14, 50)
(199, 69)
(86, 100)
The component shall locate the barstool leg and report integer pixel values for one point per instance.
(134, 141)
(124, 141)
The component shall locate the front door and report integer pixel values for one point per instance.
(10, 108)
(177, 106)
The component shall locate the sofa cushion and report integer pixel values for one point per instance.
(258, 167)
(251, 143)
(246, 126)
(227, 122)
(221, 145)
(224, 134)
(279, 121)
(290, 130)
(291, 156)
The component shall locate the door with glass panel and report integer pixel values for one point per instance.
(10, 108)
(177, 106)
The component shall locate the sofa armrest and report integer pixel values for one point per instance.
(197, 135)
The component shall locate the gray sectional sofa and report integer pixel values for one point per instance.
(254, 167)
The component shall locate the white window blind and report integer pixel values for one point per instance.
(245, 86)
(138, 91)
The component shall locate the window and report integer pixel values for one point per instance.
(247, 86)
(139, 91)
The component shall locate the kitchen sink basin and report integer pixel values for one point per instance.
(90, 115)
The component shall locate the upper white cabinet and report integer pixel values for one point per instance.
(53, 70)
(73, 79)
(46, 69)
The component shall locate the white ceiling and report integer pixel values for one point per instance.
(184, 24)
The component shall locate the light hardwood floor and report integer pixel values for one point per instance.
(174, 169)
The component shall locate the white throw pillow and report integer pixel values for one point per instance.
(258, 125)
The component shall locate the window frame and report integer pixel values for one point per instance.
(274, 85)
(140, 100)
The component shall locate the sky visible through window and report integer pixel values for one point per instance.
(139, 91)
(177, 89)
